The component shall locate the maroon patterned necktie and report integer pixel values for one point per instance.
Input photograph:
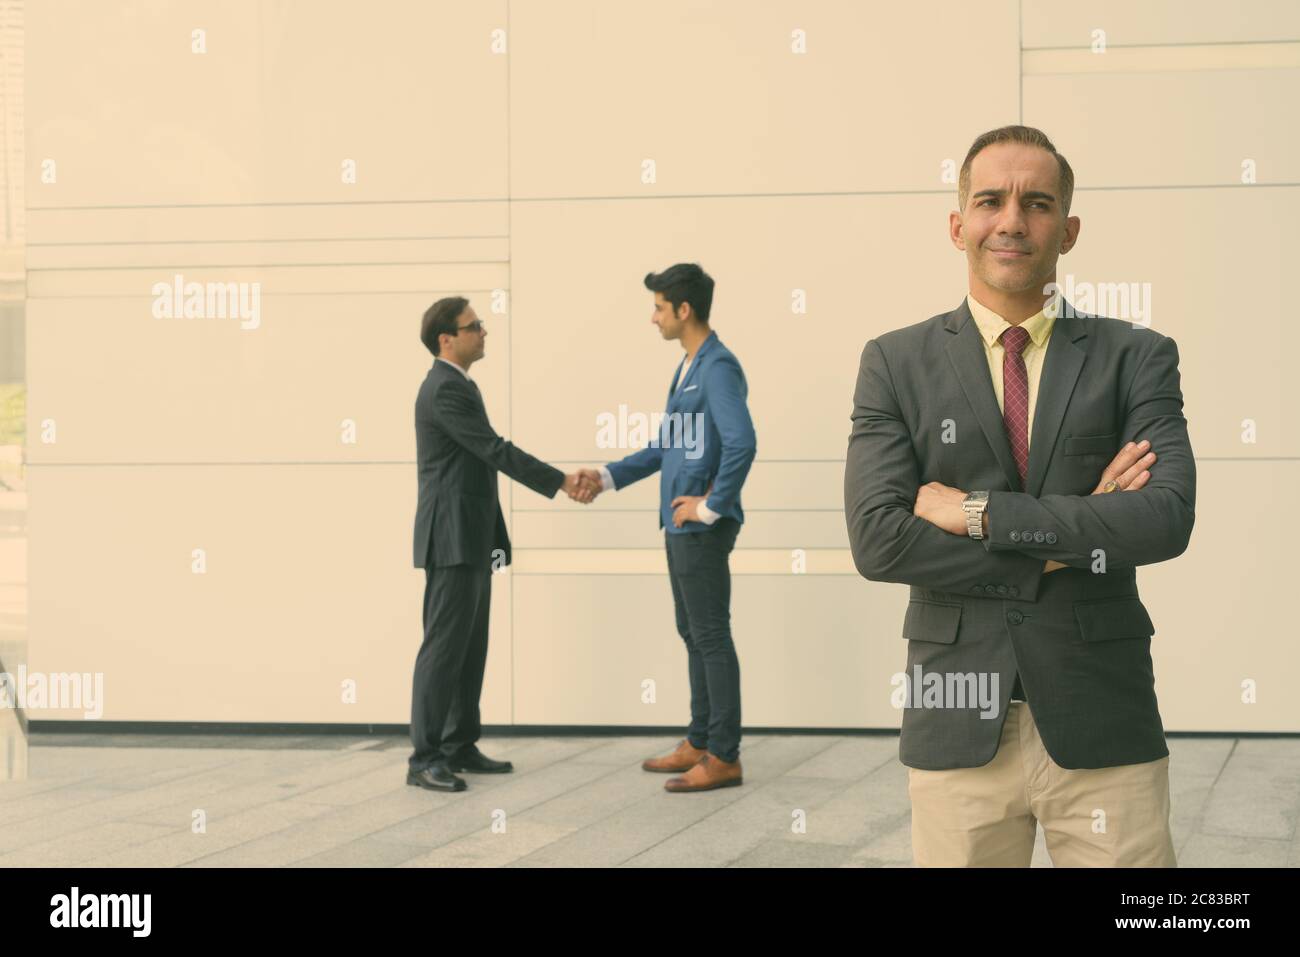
(1015, 396)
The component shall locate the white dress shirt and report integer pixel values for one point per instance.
(453, 365)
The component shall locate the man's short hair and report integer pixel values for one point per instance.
(685, 282)
(1016, 134)
(442, 316)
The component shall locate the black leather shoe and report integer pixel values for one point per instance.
(477, 762)
(436, 778)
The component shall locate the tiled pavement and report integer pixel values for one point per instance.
(122, 800)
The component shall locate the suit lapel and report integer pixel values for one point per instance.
(673, 391)
(1056, 381)
(449, 372)
(1066, 353)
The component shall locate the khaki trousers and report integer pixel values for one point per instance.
(987, 816)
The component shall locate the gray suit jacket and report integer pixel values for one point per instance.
(1080, 637)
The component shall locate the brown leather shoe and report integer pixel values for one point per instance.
(683, 759)
(712, 772)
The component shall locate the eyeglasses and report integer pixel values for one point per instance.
(475, 326)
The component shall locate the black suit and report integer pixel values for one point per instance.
(460, 536)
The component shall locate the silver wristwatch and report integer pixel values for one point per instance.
(974, 505)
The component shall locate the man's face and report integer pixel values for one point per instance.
(467, 345)
(1013, 227)
(670, 325)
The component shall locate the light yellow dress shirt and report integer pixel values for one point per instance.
(1039, 326)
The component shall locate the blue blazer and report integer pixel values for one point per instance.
(722, 446)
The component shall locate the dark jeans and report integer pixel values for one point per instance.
(449, 667)
(701, 580)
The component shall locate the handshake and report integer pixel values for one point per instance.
(583, 485)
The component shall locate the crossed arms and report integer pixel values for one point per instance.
(900, 531)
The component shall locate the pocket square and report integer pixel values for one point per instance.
(690, 387)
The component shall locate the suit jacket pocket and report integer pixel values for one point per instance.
(931, 621)
(1090, 445)
(689, 482)
(1104, 619)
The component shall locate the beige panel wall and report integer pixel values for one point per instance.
(306, 585)
(1063, 25)
(1221, 609)
(354, 167)
(1185, 127)
(519, 177)
(284, 94)
(839, 254)
(1216, 261)
(717, 97)
(279, 393)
